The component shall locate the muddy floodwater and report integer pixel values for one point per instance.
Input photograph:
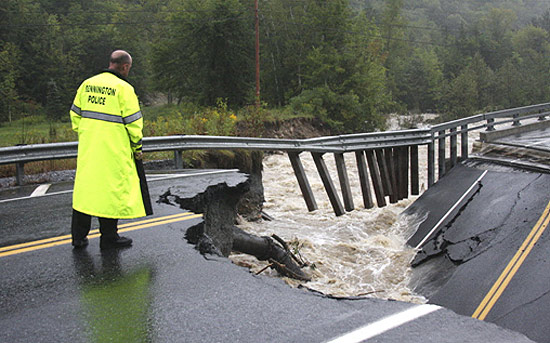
(362, 253)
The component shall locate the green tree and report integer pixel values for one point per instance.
(396, 47)
(344, 78)
(9, 59)
(206, 53)
(509, 85)
(495, 39)
(422, 81)
(471, 91)
(532, 48)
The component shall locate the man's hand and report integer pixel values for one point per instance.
(138, 155)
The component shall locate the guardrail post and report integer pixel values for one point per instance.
(327, 182)
(392, 169)
(302, 180)
(344, 181)
(376, 179)
(20, 173)
(490, 124)
(516, 122)
(403, 157)
(178, 159)
(454, 151)
(384, 172)
(464, 142)
(398, 180)
(415, 182)
(542, 116)
(364, 179)
(441, 154)
(431, 164)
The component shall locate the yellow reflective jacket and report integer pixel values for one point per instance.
(107, 117)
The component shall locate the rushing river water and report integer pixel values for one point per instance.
(360, 253)
(363, 252)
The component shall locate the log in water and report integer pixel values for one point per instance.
(361, 252)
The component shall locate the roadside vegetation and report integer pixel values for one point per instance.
(160, 120)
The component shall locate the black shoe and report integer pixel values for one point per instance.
(117, 242)
(80, 243)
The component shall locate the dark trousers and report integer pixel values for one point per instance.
(81, 224)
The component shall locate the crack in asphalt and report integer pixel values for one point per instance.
(484, 239)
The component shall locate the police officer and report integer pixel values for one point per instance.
(107, 117)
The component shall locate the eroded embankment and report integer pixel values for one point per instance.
(218, 235)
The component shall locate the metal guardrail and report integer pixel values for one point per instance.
(20, 155)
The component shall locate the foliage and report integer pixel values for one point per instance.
(206, 52)
(330, 67)
(342, 112)
(422, 82)
(345, 61)
(213, 121)
(252, 121)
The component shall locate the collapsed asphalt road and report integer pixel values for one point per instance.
(163, 290)
(489, 258)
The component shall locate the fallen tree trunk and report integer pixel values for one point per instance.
(265, 249)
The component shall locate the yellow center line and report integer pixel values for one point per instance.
(54, 241)
(504, 279)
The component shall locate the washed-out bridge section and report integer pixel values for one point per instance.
(387, 161)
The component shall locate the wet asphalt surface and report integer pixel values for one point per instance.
(493, 251)
(536, 139)
(163, 290)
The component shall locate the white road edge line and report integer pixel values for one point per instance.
(40, 190)
(450, 210)
(176, 176)
(151, 179)
(386, 324)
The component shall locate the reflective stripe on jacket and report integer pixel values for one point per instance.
(107, 117)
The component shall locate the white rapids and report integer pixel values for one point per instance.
(363, 252)
(360, 253)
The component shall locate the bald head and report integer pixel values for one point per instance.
(120, 61)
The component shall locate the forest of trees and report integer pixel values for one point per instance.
(347, 62)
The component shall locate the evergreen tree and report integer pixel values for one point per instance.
(207, 53)
(9, 59)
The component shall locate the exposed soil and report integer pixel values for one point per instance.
(297, 128)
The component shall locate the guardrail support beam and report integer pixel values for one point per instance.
(384, 171)
(392, 169)
(464, 150)
(329, 185)
(303, 182)
(431, 164)
(20, 173)
(454, 150)
(403, 158)
(490, 124)
(542, 116)
(178, 159)
(344, 181)
(364, 179)
(397, 170)
(415, 182)
(376, 179)
(516, 122)
(441, 155)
